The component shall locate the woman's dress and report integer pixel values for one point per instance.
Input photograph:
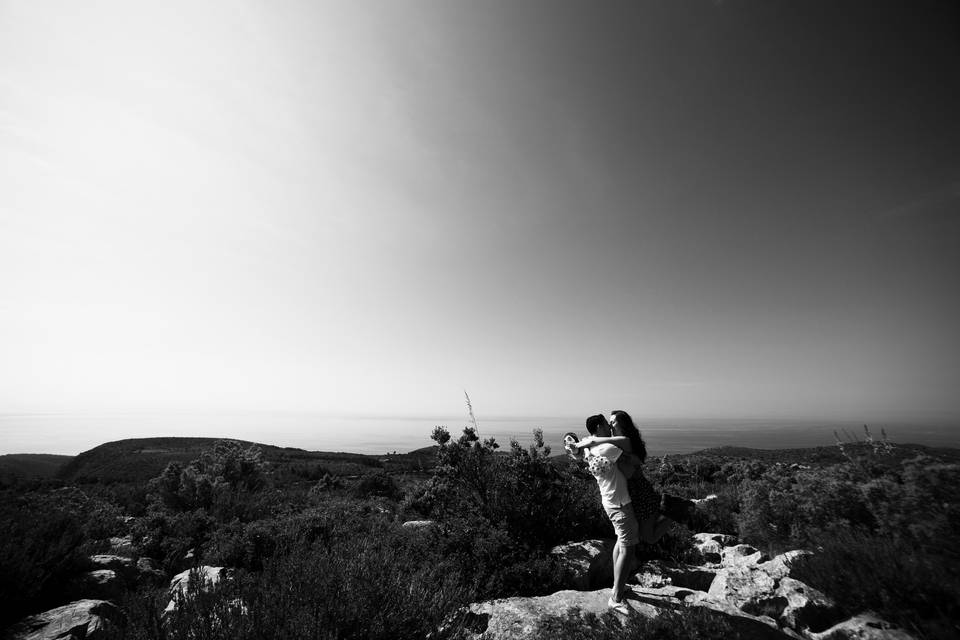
(646, 501)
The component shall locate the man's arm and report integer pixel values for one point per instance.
(619, 441)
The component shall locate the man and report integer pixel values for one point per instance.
(602, 461)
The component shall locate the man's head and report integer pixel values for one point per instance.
(597, 426)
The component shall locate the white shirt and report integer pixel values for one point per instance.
(602, 463)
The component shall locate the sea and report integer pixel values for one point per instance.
(73, 433)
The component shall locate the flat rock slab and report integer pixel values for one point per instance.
(80, 620)
(523, 618)
(865, 626)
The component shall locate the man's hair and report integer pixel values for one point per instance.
(594, 423)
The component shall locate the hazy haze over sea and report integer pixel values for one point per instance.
(73, 433)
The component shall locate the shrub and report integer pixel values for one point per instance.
(386, 583)
(219, 473)
(41, 546)
(379, 484)
(907, 586)
(537, 503)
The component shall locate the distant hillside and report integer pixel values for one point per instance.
(827, 455)
(30, 465)
(140, 459)
(809, 455)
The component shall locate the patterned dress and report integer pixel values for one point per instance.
(646, 501)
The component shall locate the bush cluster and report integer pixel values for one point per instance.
(316, 554)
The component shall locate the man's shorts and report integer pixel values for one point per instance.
(624, 523)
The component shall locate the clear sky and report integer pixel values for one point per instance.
(364, 207)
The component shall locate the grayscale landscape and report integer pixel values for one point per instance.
(479, 320)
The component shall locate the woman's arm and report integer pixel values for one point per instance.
(621, 441)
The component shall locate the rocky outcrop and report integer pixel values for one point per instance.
(865, 626)
(657, 573)
(710, 545)
(207, 577)
(528, 618)
(589, 562)
(148, 573)
(121, 565)
(755, 594)
(99, 584)
(122, 546)
(80, 620)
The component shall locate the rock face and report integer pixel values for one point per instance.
(710, 545)
(101, 584)
(590, 562)
(80, 620)
(755, 595)
(122, 546)
(865, 626)
(526, 618)
(516, 618)
(148, 573)
(181, 584)
(122, 566)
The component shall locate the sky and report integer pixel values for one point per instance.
(717, 209)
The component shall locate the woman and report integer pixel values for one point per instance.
(646, 501)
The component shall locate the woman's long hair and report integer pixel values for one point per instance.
(626, 426)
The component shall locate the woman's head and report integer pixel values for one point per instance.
(622, 424)
(597, 423)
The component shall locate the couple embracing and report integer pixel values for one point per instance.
(614, 453)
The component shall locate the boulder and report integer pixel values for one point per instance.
(656, 573)
(80, 620)
(865, 626)
(741, 555)
(148, 573)
(748, 625)
(590, 562)
(806, 608)
(181, 584)
(122, 546)
(100, 584)
(711, 545)
(122, 566)
(745, 587)
(517, 618)
(523, 618)
(781, 565)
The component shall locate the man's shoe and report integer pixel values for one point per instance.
(619, 607)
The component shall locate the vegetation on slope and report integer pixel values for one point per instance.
(15, 467)
(320, 553)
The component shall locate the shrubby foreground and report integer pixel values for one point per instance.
(316, 554)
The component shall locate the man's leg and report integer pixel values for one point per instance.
(621, 569)
(616, 551)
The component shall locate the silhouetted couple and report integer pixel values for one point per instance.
(614, 453)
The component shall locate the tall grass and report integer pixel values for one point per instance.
(907, 586)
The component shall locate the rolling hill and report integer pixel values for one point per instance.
(14, 466)
(140, 459)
